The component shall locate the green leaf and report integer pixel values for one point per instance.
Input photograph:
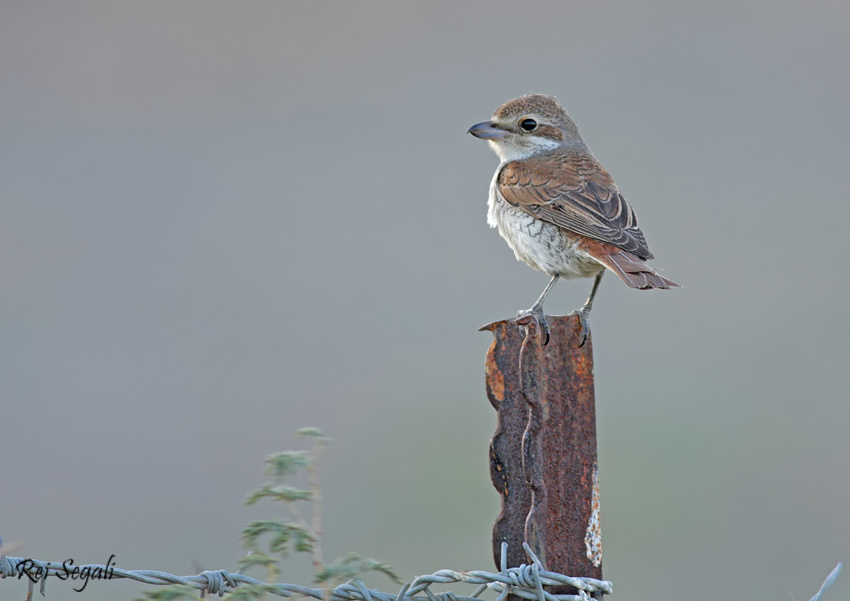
(303, 541)
(257, 558)
(174, 592)
(278, 493)
(351, 566)
(282, 533)
(314, 432)
(286, 463)
(251, 592)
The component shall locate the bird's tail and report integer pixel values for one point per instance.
(634, 271)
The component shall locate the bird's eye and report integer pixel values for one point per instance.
(528, 124)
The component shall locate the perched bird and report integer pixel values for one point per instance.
(557, 207)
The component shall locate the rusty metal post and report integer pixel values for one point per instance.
(543, 452)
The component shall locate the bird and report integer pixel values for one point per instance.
(556, 206)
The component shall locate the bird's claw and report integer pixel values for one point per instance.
(534, 315)
(585, 325)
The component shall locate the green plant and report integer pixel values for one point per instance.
(301, 535)
(294, 534)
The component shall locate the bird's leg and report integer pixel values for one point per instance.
(584, 312)
(535, 312)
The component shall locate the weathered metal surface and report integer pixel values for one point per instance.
(543, 452)
(503, 391)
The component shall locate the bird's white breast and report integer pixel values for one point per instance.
(540, 244)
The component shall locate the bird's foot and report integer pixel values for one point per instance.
(583, 315)
(535, 315)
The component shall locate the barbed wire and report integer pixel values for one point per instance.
(526, 581)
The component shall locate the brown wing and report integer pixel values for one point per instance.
(629, 267)
(573, 191)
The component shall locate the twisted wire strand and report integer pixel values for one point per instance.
(526, 581)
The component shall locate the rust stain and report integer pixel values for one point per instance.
(495, 377)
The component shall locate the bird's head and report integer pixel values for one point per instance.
(525, 126)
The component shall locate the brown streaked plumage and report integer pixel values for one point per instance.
(556, 206)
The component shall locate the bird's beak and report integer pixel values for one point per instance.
(486, 130)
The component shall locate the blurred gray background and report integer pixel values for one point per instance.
(220, 222)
